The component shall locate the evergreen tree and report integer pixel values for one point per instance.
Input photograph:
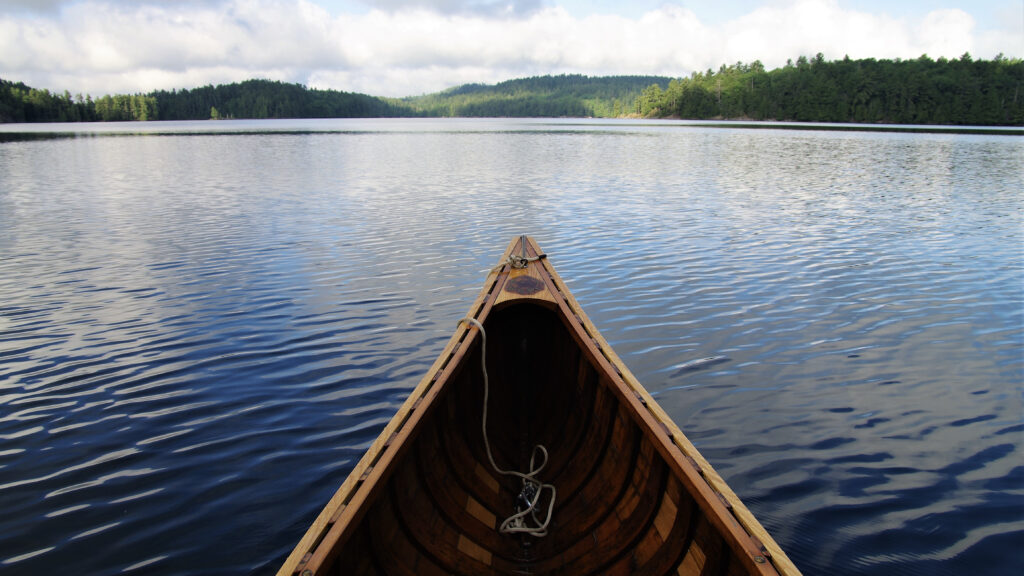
(921, 91)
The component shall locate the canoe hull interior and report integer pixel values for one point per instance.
(633, 494)
(619, 510)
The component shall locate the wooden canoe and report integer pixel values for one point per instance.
(633, 494)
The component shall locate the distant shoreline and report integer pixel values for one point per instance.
(919, 92)
(57, 130)
(858, 127)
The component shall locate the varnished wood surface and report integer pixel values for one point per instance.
(634, 495)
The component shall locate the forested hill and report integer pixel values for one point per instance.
(249, 99)
(572, 95)
(268, 99)
(921, 91)
(545, 96)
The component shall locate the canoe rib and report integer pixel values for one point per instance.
(741, 513)
(635, 495)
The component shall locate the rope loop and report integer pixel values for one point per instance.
(533, 489)
(517, 262)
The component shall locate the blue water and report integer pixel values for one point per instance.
(204, 325)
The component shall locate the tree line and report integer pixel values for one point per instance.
(544, 96)
(961, 91)
(20, 103)
(249, 99)
(571, 95)
(270, 99)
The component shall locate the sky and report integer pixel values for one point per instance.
(410, 47)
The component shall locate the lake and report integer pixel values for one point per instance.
(203, 325)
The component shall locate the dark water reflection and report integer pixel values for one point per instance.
(201, 334)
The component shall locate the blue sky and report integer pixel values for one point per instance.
(407, 47)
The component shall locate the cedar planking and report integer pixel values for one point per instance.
(634, 495)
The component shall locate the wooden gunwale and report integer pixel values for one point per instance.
(341, 515)
(756, 541)
(722, 509)
(745, 547)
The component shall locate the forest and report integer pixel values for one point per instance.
(961, 91)
(567, 95)
(20, 103)
(249, 99)
(269, 99)
(546, 96)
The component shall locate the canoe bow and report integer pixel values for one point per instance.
(526, 281)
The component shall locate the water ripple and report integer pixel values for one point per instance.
(200, 336)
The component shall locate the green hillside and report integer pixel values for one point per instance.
(962, 91)
(571, 95)
(921, 91)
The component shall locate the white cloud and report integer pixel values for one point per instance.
(486, 7)
(807, 27)
(105, 46)
(947, 33)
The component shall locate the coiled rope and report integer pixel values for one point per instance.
(530, 495)
(517, 261)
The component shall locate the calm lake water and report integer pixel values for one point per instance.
(204, 325)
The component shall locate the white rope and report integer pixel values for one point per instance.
(517, 523)
(517, 261)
